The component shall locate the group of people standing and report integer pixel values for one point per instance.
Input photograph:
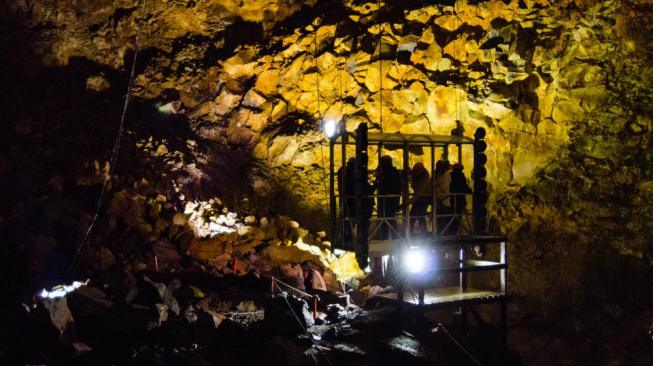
(449, 186)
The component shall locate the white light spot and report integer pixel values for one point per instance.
(415, 260)
(61, 290)
(330, 127)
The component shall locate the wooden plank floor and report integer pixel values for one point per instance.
(447, 296)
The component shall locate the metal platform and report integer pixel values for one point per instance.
(383, 247)
(451, 258)
(445, 297)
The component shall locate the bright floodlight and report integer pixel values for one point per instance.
(415, 260)
(330, 127)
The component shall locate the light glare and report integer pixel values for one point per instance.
(330, 128)
(415, 260)
(61, 290)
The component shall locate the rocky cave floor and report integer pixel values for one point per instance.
(159, 319)
(189, 318)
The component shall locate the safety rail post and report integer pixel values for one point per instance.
(407, 227)
(362, 219)
(463, 281)
(434, 200)
(343, 197)
(480, 194)
(332, 194)
(503, 273)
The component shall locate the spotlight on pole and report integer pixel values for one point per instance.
(330, 127)
(417, 260)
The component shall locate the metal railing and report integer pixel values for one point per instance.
(441, 222)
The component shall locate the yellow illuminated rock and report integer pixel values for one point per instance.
(449, 22)
(376, 76)
(267, 82)
(445, 105)
(566, 111)
(457, 49)
(225, 102)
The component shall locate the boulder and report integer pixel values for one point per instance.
(410, 350)
(149, 293)
(287, 314)
(61, 318)
(89, 301)
(166, 254)
(283, 351)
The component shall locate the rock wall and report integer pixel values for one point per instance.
(563, 89)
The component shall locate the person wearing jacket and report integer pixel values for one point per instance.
(460, 188)
(388, 183)
(422, 197)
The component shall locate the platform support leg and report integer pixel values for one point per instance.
(463, 315)
(421, 295)
(504, 324)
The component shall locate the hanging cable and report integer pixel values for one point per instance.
(380, 68)
(459, 345)
(340, 70)
(308, 334)
(114, 152)
(317, 71)
(455, 51)
(319, 114)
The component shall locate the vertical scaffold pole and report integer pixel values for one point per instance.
(333, 218)
(405, 192)
(362, 199)
(434, 210)
(345, 216)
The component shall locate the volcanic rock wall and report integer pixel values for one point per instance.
(563, 89)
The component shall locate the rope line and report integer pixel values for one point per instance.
(310, 336)
(114, 152)
(340, 70)
(274, 279)
(460, 346)
(319, 114)
(317, 72)
(295, 314)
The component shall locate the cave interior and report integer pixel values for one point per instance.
(172, 173)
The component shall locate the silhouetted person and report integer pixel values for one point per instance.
(388, 183)
(459, 130)
(460, 188)
(347, 192)
(422, 196)
(441, 185)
